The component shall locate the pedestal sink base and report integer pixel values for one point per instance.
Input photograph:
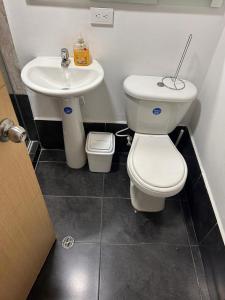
(73, 131)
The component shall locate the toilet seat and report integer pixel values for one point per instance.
(155, 166)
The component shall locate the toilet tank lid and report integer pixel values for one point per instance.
(146, 88)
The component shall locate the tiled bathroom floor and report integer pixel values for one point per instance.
(118, 254)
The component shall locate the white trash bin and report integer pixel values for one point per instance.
(100, 147)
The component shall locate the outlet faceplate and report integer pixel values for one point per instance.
(101, 16)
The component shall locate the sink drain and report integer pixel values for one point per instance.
(68, 242)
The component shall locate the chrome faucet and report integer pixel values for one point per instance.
(65, 58)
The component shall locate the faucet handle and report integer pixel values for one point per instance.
(65, 58)
(65, 53)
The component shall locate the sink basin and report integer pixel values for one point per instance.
(45, 75)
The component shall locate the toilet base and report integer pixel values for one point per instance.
(144, 202)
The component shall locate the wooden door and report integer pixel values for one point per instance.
(26, 232)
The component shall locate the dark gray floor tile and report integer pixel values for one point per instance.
(52, 155)
(69, 274)
(117, 182)
(58, 179)
(122, 225)
(200, 272)
(145, 272)
(79, 217)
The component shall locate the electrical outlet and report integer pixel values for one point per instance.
(101, 16)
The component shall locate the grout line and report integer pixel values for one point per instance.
(72, 196)
(193, 227)
(53, 161)
(207, 234)
(64, 161)
(53, 149)
(103, 182)
(38, 160)
(204, 289)
(183, 217)
(145, 243)
(196, 273)
(192, 255)
(133, 244)
(90, 196)
(116, 197)
(85, 196)
(82, 242)
(100, 250)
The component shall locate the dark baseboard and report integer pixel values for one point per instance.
(51, 133)
(24, 114)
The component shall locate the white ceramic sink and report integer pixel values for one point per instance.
(45, 75)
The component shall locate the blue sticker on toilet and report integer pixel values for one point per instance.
(156, 111)
(68, 110)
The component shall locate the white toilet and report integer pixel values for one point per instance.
(156, 168)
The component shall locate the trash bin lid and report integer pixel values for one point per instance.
(100, 142)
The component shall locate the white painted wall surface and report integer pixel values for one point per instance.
(144, 40)
(208, 127)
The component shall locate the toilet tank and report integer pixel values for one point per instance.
(153, 109)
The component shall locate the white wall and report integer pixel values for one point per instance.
(208, 126)
(144, 40)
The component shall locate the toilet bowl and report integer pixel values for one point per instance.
(156, 169)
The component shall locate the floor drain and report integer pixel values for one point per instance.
(68, 242)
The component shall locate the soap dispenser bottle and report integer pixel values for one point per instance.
(81, 53)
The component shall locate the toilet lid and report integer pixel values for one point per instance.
(155, 161)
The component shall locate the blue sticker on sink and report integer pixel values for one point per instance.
(68, 110)
(156, 111)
